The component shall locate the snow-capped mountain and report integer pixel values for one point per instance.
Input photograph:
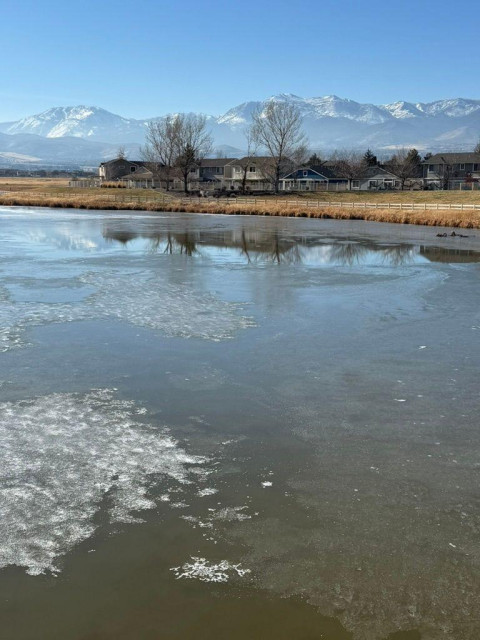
(314, 108)
(329, 122)
(91, 123)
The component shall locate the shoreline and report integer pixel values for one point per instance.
(433, 218)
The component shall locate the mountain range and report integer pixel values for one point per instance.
(83, 135)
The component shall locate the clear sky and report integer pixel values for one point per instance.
(142, 58)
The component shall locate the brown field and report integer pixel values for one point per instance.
(56, 193)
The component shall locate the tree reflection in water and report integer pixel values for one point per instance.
(277, 247)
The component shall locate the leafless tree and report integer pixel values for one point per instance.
(406, 165)
(193, 144)
(350, 165)
(161, 148)
(247, 160)
(477, 147)
(278, 129)
(121, 153)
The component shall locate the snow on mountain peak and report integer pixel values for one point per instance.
(328, 122)
(402, 109)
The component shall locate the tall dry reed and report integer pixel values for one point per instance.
(464, 219)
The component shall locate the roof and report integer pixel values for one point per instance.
(327, 171)
(318, 169)
(377, 170)
(137, 162)
(215, 162)
(453, 158)
(138, 175)
(252, 159)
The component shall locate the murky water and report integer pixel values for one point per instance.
(216, 427)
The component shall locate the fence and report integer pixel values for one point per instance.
(161, 199)
(407, 206)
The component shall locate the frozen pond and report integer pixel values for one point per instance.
(219, 427)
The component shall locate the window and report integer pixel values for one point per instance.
(355, 184)
(192, 170)
(132, 169)
(252, 169)
(475, 167)
(431, 168)
(305, 173)
(462, 167)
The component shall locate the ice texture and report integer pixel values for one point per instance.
(61, 456)
(137, 298)
(201, 569)
(177, 310)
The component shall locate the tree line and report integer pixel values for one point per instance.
(176, 145)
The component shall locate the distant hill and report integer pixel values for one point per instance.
(84, 133)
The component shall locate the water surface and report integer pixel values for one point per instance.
(237, 427)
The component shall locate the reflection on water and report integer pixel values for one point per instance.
(274, 246)
(241, 428)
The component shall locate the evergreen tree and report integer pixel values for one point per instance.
(370, 158)
(413, 157)
(314, 160)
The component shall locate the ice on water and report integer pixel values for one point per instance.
(177, 310)
(139, 298)
(205, 571)
(61, 455)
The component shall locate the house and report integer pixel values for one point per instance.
(376, 178)
(452, 171)
(325, 177)
(141, 178)
(313, 178)
(255, 170)
(214, 169)
(114, 169)
(208, 174)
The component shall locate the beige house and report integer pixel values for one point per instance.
(256, 174)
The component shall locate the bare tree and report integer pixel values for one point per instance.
(121, 153)
(350, 165)
(246, 161)
(406, 165)
(278, 129)
(477, 147)
(161, 148)
(193, 144)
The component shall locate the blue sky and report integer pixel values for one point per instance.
(144, 58)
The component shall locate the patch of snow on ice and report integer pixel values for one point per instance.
(61, 456)
(208, 491)
(201, 569)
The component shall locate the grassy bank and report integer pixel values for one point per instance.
(59, 187)
(464, 219)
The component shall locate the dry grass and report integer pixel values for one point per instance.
(466, 197)
(59, 186)
(465, 219)
(33, 184)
